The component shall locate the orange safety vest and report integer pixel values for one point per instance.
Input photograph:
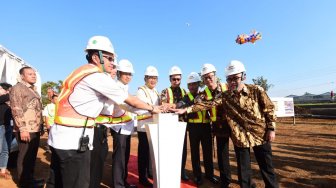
(199, 118)
(213, 112)
(171, 96)
(65, 114)
(107, 119)
(144, 117)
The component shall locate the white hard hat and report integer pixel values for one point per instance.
(125, 66)
(193, 77)
(207, 68)
(175, 70)
(151, 71)
(100, 43)
(234, 67)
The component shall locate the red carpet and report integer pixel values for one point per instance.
(133, 177)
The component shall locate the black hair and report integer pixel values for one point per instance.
(21, 71)
(89, 55)
(5, 86)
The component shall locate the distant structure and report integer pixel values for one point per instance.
(10, 64)
(311, 98)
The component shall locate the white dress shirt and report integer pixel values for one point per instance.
(111, 108)
(88, 99)
(152, 99)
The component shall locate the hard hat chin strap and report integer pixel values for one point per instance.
(101, 60)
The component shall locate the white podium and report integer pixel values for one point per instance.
(166, 136)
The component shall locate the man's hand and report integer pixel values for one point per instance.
(179, 111)
(270, 136)
(164, 108)
(156, 110)
(25, 136)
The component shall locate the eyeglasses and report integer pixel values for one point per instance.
(111, 59)
(233, 79)
(210, 77)
(176, 79)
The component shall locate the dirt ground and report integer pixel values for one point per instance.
(304, 155)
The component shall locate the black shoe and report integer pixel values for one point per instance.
(145, 183)
(184, 176)
(127, 185)
(198, 181)
(37, 183)
(213, 179)
(37, 180)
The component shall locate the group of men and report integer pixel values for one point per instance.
(94, 98)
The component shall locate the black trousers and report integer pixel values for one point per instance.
(69, 168)
(184, 154)
(144, 163)
(223, 160)
(200, 133)
(98, 155)
(120, 158)
(263, 154)
(26, 158)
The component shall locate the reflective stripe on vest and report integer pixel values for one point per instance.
(65, 113)
(171, 96)
(51, 113)
(199, 118)
(213, 112)
(105, 119)
(143, 117)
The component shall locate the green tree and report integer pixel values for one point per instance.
(262, 82)
(49, 85)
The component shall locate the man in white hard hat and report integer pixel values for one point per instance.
(220, 128)
(81, 100)
(214, 115)
(250, 115)
(171, 96)
(199, 132)
(150, 95)
(121, 131)
(121, 125)
(100, 144)
(252, 121)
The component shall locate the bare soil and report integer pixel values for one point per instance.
(304, 155)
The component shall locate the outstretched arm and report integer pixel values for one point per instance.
(137, 103)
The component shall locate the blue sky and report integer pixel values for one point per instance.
(296, 53)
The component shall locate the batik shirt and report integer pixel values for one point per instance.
(26, 107)
(249, 114)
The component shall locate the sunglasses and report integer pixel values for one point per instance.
(176, 79)
(232, 79)
(210, 77)
(111, 59)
